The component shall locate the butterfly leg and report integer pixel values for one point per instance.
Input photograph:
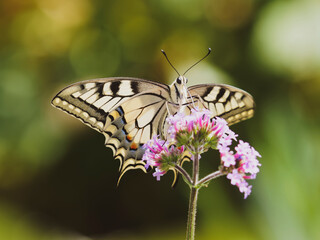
(168, 109)
(198, 99)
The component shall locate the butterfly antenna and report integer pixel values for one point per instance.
(164, 53)
(209, 51)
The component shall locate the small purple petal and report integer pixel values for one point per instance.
(228, 159)
(235, 177)
(243, 148)
(223, 149)
(158, 173)
(245, 188)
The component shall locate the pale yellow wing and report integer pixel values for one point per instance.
(228, 102)
(127, 111)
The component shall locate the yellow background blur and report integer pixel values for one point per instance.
(58, 181)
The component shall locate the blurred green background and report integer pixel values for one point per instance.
(58, 181)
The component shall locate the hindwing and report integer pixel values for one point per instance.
(127, 111)
(131, 125)
(228, 102)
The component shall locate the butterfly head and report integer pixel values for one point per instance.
(178, 89)
(181, 80)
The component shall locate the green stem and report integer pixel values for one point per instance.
(185, 175)
(211, 176)
(191, 226)
(193, 199)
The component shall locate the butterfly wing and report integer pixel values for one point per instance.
(132, 124)
(91, 101)
(128, 111)
(228, 102)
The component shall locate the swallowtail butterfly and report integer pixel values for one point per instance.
(130, 111)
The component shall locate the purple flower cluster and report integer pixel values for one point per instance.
(161, 155)
(199, 131)
(241, 165)
(198, 120)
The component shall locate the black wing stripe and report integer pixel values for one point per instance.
(115, 87)
(134, 87)
(220, 94)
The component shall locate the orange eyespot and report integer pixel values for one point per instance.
(129, 138)
(133, 146)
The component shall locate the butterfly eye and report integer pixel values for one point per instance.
(178, 80)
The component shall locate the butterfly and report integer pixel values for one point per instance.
(130, 111)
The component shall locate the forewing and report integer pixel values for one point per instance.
(128, 111)
(92, 101)
(228, 102)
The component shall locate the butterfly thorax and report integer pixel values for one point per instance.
(178, 91)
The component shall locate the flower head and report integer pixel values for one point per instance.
(199, 130)
(247, 157)
(245, 166)
(162, 155)
(153, 149)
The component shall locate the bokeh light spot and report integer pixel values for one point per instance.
(287, 36)
(95, 53)
(229, 14)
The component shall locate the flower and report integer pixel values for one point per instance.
(153, 149)
(235, 177)
(199, 131)
(228, 159)
(247, 157)
(246, 165)
(160, 154)
(172, 120)
(158, 173)
(245, 188)
(238, 180)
